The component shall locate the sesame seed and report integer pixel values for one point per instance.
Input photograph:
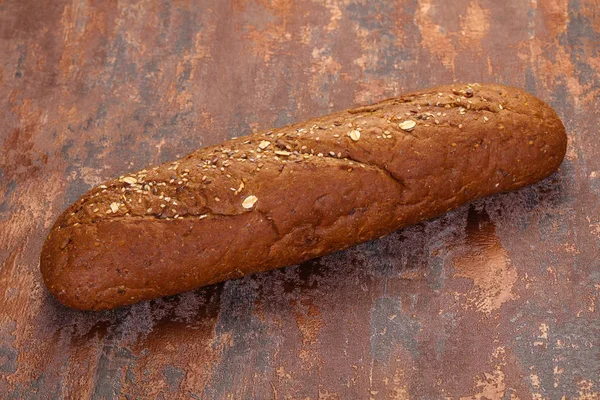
(130, 180)
(249, 201)
(149, 210)
(408, 125)
(163, 205)
(354, 135)
(114, 207)
(203, 216)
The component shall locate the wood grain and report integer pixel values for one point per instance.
(498, 299)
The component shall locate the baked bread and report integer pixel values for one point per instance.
(283, 196)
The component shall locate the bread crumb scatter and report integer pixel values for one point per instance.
(249, 202)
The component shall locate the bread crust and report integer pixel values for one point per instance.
(283, 196)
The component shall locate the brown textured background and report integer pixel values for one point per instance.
(496, 300)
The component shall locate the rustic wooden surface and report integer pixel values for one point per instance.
(498, 299)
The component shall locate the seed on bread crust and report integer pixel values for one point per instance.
(249, 202)
(408, 125)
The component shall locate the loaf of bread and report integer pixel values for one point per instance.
(283, 196)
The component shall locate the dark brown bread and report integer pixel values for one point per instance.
(284, 196)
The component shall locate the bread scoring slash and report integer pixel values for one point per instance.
(283, 196)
